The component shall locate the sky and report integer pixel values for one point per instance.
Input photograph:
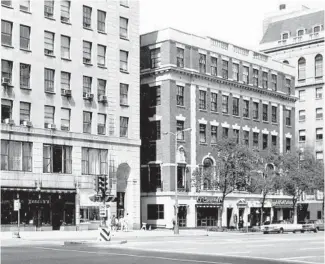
(235, 21)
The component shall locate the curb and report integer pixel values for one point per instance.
(94, 243)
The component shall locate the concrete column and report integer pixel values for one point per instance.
(280, 214)
(191, 216)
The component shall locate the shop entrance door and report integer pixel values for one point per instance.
(229, 213)
(57, 214)
(182, 214)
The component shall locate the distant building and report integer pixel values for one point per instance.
(295, 36)
(69, 110)
(218, 90)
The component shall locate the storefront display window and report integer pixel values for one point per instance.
(206, 215)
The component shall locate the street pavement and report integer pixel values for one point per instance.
(217, 248)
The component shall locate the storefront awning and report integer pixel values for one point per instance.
(44, 190)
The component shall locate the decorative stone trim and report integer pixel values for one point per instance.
(235, 126)
(225, 93)
(155, 118)
(225, 124)
(256, 100)
(288, 135)
(153, 84)
(256, 130)
(202, 88)
(274, 104)
(265, 69)
(203, 51)
(179, 45)
(246, 98)
(235, 61)
(180, 84)
(245, 64)
(256, 67)
(236, 95)
(213, 54)
(224, 58)
(155, 162)
(265, 102)
(265, 131)
(274, 133)
(288, 107)
(180, 117)
(274, 72)
(203, 121)
(246, 128)
(155, 46)
(214, 123)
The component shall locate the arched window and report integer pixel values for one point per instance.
(208, 170)
(318, 66)
(207, 163)
(285, 62)
(301, 69)
(300, 32)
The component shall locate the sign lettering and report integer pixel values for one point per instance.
(205, 199)
(282, 202)
(38, 201)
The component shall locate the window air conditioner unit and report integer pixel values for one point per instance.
(24, 8)
(88, 96)
(9, 121)
(66, 92)
(65, 128)
(86, 60)
(6, 81)
(27, 123)
(86, 25)
(102, 98)
(48, 52)
(50, 126)
(64, 19)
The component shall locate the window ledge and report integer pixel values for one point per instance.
(247, 118)
(101, 66)
(225, 114)
(7, 46)
(320, 118)
(6, 6)
(153, 106)
(124, 71)
(181, 106)
(289, 126)
(101, 32)
(203, 110)
(302, 120)
(203, 143)
(24, 11)
(49, 55)
(124, 38)
(26, 88)
(126, 6)
(256, 120)
(65, 22)
(66, 59)
(101, 134)
(124, 137)
(49, 92)
(214, 112)
(88, 28)
(181, 140)
(266, 122)
(88, 64)
(49, 18)
(275, 124)
(25, 50)
(124, 105)
(236, 116)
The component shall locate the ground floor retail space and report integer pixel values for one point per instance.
(206, 211)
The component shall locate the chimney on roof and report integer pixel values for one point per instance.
(282, 6)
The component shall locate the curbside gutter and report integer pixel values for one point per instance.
(93, 243)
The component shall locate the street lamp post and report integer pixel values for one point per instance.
(176, 228)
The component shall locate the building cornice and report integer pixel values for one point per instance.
(216, 79)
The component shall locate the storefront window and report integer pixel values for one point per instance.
(206, 215)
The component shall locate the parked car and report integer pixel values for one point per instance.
(281, 227)
(309, 225)
(319, 224)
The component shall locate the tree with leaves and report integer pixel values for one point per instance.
(234, 163)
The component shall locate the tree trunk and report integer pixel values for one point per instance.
(295, 212)
(262, 209)
(220, 214)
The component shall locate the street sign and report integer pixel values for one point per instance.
(16, 205)
(102, 211)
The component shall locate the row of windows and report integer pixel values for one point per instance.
(49, 46)
(302, 67)
(17, 156)
(302, 134)
(65, 14)
(65, 82)
(318, 94)
(65, 114)
(257, 80)
(300, 32)
(318, 112)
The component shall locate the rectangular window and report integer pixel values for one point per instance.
(65, 47)
(155, 58)
(48, 43)
(94, 161)
(319, 113)
(288, 144)
(319, 215)
(101, 56)
(246, 138)
(24, 5)
(302, 115)
(274, 114)
(274, 141)
(214, 134)
(6, 70)
(202, 100)
(101, 124)
(155, 95)
(255, 77)
(265, 141)
(48, 115)
(203, 136)
(302, 94)
(155, 211)
(288, 117)
(180, 130)
(6, 110)
(214, 65)
(124, 3)
(245, 74)
(101, 86)
(255, 139)
(274, 82)
(235, 71)
(65, 80)
(86, 17)
(49, 80)
(214, 102)
(24, 112)
(202, 63)
(319, 93)
(319, 134)
(235, 106)
(225, 132)
(265, 112)
(49, 8)
(180, 57)
(265, 80)
(124, 123)
(246, 108)
(236, 135)
(101, 21)
(224, 69)
(65, 119)
(87, 52)
(124, 27)
(6, 3)
(16, 155)
(57, 159)
(156, 134)
(87, 118)
(288, 86)
(24, 76)
(180, 95)
(6, 33)
(255, 111)
(225, 108)
(124, 60)
(87, 82)
(124, 88)
(302, 135)
(319, 155)
(65, 10)
(24, 37)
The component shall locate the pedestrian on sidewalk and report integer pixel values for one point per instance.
(126, 223)
(174, 223)
(113, 223)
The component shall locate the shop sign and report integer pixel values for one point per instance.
(242, 202)
(30, 201)
(282, 202)
(102, 211)
(210, 200)
(16, 205)
(319, 195)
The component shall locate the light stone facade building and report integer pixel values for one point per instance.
(69, 111)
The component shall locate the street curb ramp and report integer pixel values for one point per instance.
(94, 243)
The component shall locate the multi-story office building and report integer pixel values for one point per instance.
(218, 90)
(295, 36)
(69, 110)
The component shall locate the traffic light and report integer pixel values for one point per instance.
(96, 184)
(101, 183)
